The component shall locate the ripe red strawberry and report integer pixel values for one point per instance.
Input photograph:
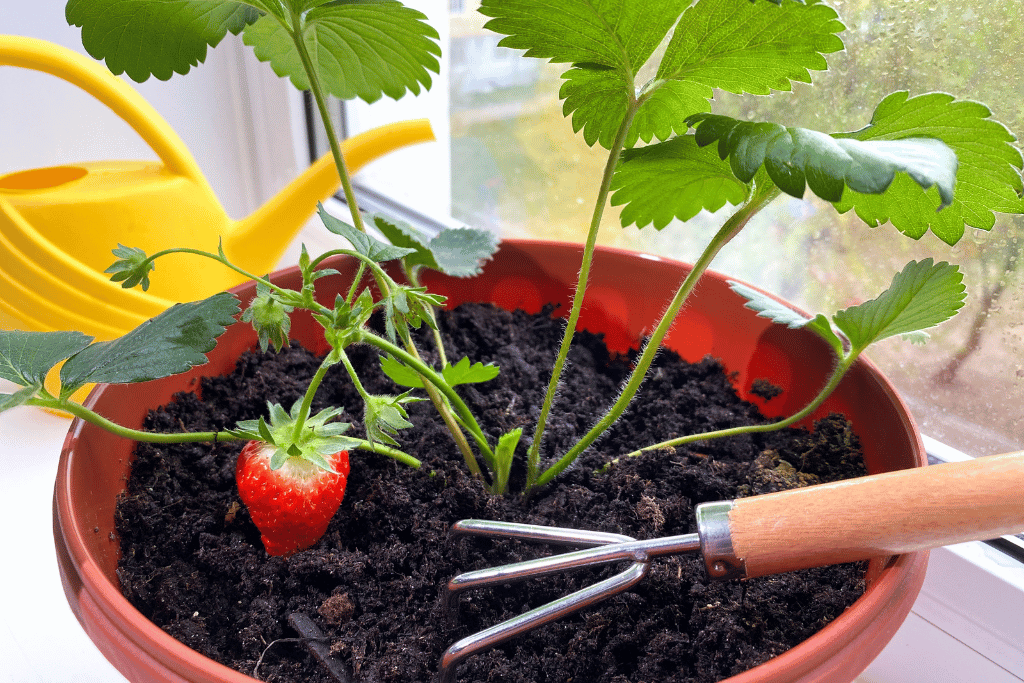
(292, 505)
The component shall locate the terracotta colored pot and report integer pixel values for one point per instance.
(626, 294)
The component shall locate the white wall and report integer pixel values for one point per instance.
(419, 176)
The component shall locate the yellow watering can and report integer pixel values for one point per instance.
(58, 225)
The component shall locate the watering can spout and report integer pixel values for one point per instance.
(256, 243)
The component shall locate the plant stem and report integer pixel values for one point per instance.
(219, 259)
(430, 375)
(384, 281)
(332, 138)
(392, 453)
(188, 437)
(307, 400)
(833, 381)
(444, 410)
(321, 104)
(533, 455)
(352, 374)
(89, 416)
(412, 275)
(730, 229)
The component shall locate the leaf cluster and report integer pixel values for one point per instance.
(902, 167)
(356, 49)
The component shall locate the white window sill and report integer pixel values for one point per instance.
(967, 625)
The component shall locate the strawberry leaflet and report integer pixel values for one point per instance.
(143, 38)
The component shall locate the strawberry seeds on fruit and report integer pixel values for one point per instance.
(293, 504)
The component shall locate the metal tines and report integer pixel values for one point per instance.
(600, 548)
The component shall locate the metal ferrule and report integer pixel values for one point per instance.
(716, 541)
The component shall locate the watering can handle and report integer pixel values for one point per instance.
(90, 76)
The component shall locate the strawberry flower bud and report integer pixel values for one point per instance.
(269, 317)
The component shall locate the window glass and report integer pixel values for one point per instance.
(518, 169)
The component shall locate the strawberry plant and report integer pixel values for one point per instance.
(639, 82)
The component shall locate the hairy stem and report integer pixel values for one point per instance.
(431, 376)
(332, 138)
(307, 399)
(321, 104)
(219, 259)
(533, 455)
(730, 229)
(393, 453)
(444, 410)
(412, 274)
(833, 381)
(89, 416)
(352, 374)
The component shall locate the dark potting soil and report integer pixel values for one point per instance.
(194, 564)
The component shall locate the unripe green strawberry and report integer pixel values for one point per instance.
(292, 505)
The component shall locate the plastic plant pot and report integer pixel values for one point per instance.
(626, 294)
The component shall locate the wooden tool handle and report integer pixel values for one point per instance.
(885, 514)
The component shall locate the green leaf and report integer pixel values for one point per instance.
(367, 245)
(461, 252)
(359, 48)
(607, 43)
(504, 455)
(795, 158)
(922, 295)
(143, 38)
(613, 33)
(767, 307)
(597, 100)
(738, 46)
(988, 178)
(269, 318)
(168, 344)
(402, 234)
(18, 398)
(673, 179)
(665, 110)
(130, 268)
(464, 373)
(460, 373)
(400, 374)
(751, 47)
(26, 357)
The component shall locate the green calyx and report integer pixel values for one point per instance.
(269, 317)
(385, 415)
(317, 438)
